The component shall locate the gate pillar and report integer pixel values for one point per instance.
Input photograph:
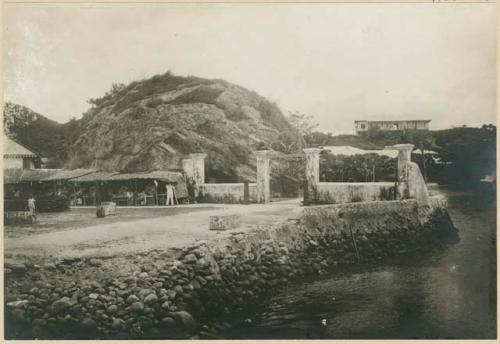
(263, 187)
(197, 166)
(404, 157)
(312, 173)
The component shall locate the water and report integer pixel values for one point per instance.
(448, 293)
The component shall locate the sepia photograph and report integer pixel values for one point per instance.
(249, 171)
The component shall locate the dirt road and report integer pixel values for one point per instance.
(134, 236)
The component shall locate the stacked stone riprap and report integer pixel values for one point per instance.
(192, 292)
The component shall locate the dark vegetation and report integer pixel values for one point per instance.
(357, 168)
(472, 151)
(38, 133)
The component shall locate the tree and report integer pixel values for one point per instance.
(302, 123)
(288, 142)
(423, 140)
(489, 127)
(471, 153)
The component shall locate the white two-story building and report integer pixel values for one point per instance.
(364, 126)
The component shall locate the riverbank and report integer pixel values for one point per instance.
(190, 292)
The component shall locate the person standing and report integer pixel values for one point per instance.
(129, 197)
(170, 195)
(31, 207)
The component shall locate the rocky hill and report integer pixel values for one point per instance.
(155, 123)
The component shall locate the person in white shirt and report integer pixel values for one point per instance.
(31, 206)
(170, 194)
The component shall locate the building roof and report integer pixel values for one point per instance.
(20, 176)
(166, 176)
(97, 176)
(349, 150)
(12, 148)
(68, 174)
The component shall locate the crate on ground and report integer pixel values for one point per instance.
(224, 222)
(106, 209)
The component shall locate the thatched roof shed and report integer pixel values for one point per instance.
(20, 176)
(68, 174)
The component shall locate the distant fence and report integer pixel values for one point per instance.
(228, 193)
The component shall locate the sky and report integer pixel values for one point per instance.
(335, 62)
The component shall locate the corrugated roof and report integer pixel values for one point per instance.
(97, 176)
(68, 174)
(349, 150)
(11, 147)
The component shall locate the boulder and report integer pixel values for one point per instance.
(137, 306)
(186, 320)
(61, 304)
(88, 323)
(132, 298)
(150, 299)
(112, 309)
(168, 321)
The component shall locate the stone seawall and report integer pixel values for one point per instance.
(202, 288)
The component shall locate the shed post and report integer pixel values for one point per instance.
(135, 192)
(95, 192)
(156, 191)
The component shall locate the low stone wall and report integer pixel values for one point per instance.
(216, 282)
(335, 193)
(227, 192)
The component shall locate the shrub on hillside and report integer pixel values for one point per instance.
(201, 94)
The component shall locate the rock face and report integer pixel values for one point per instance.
(155, 123)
